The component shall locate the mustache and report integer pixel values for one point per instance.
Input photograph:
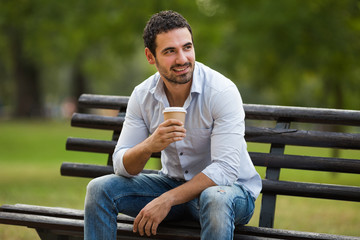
(188, 64)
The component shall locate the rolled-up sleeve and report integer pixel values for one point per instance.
(134, 131)
(228, 146)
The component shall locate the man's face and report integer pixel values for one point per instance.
(175, 56)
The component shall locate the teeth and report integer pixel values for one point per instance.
(179, 70)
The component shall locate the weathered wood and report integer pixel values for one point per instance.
(253, 111)
(252, 134)
(259, 159)
(60, 221)
(303, 114)
(303, 138)
(306, 162)
(90, 170)
(313, 190)
(96, 121)
(90, 145)
(103, 101)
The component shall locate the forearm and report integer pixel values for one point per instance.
(189, 190)
(135, 158)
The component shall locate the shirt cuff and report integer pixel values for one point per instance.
(118, 163)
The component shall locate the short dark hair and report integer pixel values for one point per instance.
(162, 22)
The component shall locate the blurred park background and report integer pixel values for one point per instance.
(283, 52)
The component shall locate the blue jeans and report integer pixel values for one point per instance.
(219, 209)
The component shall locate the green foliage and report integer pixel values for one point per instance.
(291, 52)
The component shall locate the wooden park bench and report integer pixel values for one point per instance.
(264, 124)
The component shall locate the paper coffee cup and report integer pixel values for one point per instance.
(178, 113)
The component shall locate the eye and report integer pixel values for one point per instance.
(188, 47)
(168, 51)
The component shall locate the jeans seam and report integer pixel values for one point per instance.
(136, 194)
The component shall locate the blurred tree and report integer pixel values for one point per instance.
(14, 29)
(293, 52)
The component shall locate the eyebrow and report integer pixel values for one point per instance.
(172, 48)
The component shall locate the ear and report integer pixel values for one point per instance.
(149, 56)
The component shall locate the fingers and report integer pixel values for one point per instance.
(170, 132)
(171, 122)
(145, 226)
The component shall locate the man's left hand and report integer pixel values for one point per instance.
(149, 218)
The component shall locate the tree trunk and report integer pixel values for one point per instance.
(79, 83)
(28, 95)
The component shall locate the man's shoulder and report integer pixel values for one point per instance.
(213, 79)
(147, 84)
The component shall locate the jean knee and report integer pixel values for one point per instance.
(98, 188)
(215, 197)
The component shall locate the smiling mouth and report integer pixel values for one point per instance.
(181, 68)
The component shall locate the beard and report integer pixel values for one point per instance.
(176, 79)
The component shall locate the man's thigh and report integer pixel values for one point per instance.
(228, 200)
(130, 195)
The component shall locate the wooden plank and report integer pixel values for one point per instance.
(252, 134)
(289, 234)
(90, 170)
(103, 101)
(62, 225)
(90, 145)
(97, 121)
(303, 138)
(306, 162)
(313, 190)
(303, 114)
(253, 111)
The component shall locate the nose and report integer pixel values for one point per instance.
(181, 58)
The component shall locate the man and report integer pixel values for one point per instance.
(206, 174)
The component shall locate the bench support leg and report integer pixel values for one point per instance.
(267, 212)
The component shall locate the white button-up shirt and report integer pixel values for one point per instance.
(215, 127)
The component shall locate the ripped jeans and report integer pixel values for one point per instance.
(219, 209)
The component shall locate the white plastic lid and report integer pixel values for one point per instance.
(174, 109)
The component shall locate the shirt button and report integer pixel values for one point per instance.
(186, 171)
(181, 154)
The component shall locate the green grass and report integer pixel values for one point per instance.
(31, 153)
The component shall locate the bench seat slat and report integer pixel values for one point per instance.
(46, 217)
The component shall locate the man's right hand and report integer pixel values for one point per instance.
(169, 131)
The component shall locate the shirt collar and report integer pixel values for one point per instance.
(197, 83)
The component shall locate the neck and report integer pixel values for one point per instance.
(177, 93)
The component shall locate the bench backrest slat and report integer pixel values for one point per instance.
(253, 111)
